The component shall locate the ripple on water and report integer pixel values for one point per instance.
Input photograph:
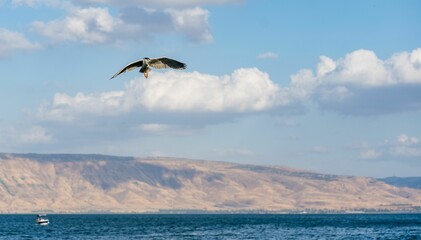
(218, 226)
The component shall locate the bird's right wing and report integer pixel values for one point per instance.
(129, 67)
(164, 62)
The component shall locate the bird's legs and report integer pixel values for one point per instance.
(145, 73)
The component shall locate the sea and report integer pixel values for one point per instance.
(213, 226)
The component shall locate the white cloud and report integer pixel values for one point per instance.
(136, 19)
(245, 90)
(193, 23)
(303, 84)
(325, 66)
(180, 99)
(97, 25)
(89, 25)
(172, 100)
(167, 103)
(267, 55)
(363, 68)
(362, 84)
(160, 3)
(65, 108)
(11, 42)
(406, 66)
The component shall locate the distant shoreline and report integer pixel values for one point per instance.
(220, 212)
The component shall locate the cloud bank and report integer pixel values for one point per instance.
(170, 102)
(245, 90)
(358, 84)
(362, 84)
(179, 102)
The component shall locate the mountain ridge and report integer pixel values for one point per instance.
(102, 183)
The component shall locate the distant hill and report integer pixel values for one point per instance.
(63, 157)
(100, 183)
(411, 182)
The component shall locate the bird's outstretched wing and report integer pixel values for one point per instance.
(164, 62)
(129, 67)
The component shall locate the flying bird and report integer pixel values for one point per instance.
(146, 63)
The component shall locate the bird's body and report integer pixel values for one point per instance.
(145, 65)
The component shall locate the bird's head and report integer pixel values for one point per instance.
(146, 58)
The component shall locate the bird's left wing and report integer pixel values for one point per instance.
(129, 67)
(164, 62)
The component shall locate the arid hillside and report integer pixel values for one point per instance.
(99, 183)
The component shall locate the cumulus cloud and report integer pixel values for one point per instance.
(172, 98)
(11, 42)
(97, 25)
(245, 90)
(193, 22)
(268, 55)
(362, 84)
(90, 25)
(65, 108)
(242, 91)
(170, 103)
(90, 21)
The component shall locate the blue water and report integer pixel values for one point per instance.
(218, 226)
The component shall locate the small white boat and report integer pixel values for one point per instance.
(42, 220)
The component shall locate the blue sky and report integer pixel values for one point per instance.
(328, 86)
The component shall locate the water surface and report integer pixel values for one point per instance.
(213, 226)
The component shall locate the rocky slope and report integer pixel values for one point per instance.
(97, 183)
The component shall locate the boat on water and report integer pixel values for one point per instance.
(42, 219)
